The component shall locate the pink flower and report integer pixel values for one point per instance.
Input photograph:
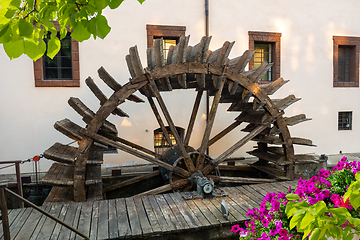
(235, 228)
(283, 232)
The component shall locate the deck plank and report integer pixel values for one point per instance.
(257, 195)
(113, 223)
(76, 220)
(255, 202)
(84, 219)
(58, 226)
(165, 227)
(29, 226)
(258, 189)
(207, 213)
(234, 195)
(94, 221)
(12, 215)
(41, 223)
(185, 210)
(18, 223)
(168, 215)
(217, 204)
(151, 215)
(234, 211)
(103, 225)
(122, 218)
(203, 220)
(144, 222)
(174, 208)
(69, 219)
(133, 217)
(214, 210)
(49, 224)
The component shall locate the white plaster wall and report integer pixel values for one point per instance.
(28, 113)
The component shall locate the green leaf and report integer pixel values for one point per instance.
(292, 196)
(80, 33)
(307, 230)
(355, 199)
(15, 3)
(357, 176)
(307, 220)
(295, 220)
(14, 49)
(334, 231)
(34, 50)
(53, 46)
(100, 5)
(315, 234)
(4, 29)
(30, 4)
(101, 26)
(141, 1)
(10, 13)
(320, 207)
(115, 3)
(25, 28)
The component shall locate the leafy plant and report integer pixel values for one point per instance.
(324, 206)
(25, 23)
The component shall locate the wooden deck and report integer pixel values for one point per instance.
(162, 216)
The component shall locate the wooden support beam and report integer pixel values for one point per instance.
(225, 179)
(240, 143)
(135, 153)
(101, 96)
(131, 181)
(114, 85)
(128, 143)
(224, 132)
(161, 123)
(193, 117)
(188, 162)
(291, 121)
(94, 126)
(168, 187)
(209, 125)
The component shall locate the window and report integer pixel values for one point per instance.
(160, 143)
(346, 61)
(63, 69)
(345, 121)
(262, 54)
(170, 35)
(267, 49)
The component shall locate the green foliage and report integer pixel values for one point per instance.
(340, 180)
(318, 221)
(25, 23)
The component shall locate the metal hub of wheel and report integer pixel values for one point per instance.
(193, 67)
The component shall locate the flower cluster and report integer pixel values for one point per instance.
(270, 221)
(267, 222)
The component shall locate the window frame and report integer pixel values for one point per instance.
(350, 116)
(39, 69)
(165, 31)
(274, 39)
(353, 42)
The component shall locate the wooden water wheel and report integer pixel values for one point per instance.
(187, 67)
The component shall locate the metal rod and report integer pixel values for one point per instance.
(4, 211)
(46, 213)
(19, 183)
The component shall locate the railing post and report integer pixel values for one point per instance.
(19, 183)
(4, 212)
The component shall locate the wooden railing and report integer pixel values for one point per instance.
(18, 177)
(4, 210)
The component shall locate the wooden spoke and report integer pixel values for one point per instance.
(193, 116)
(205, 140)
(176, 185)
(86, 142)
(240, 143)
(161, 123)
(224, 132)
(138, 154)
(131, 181)
(187, 160)
(128, 143)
